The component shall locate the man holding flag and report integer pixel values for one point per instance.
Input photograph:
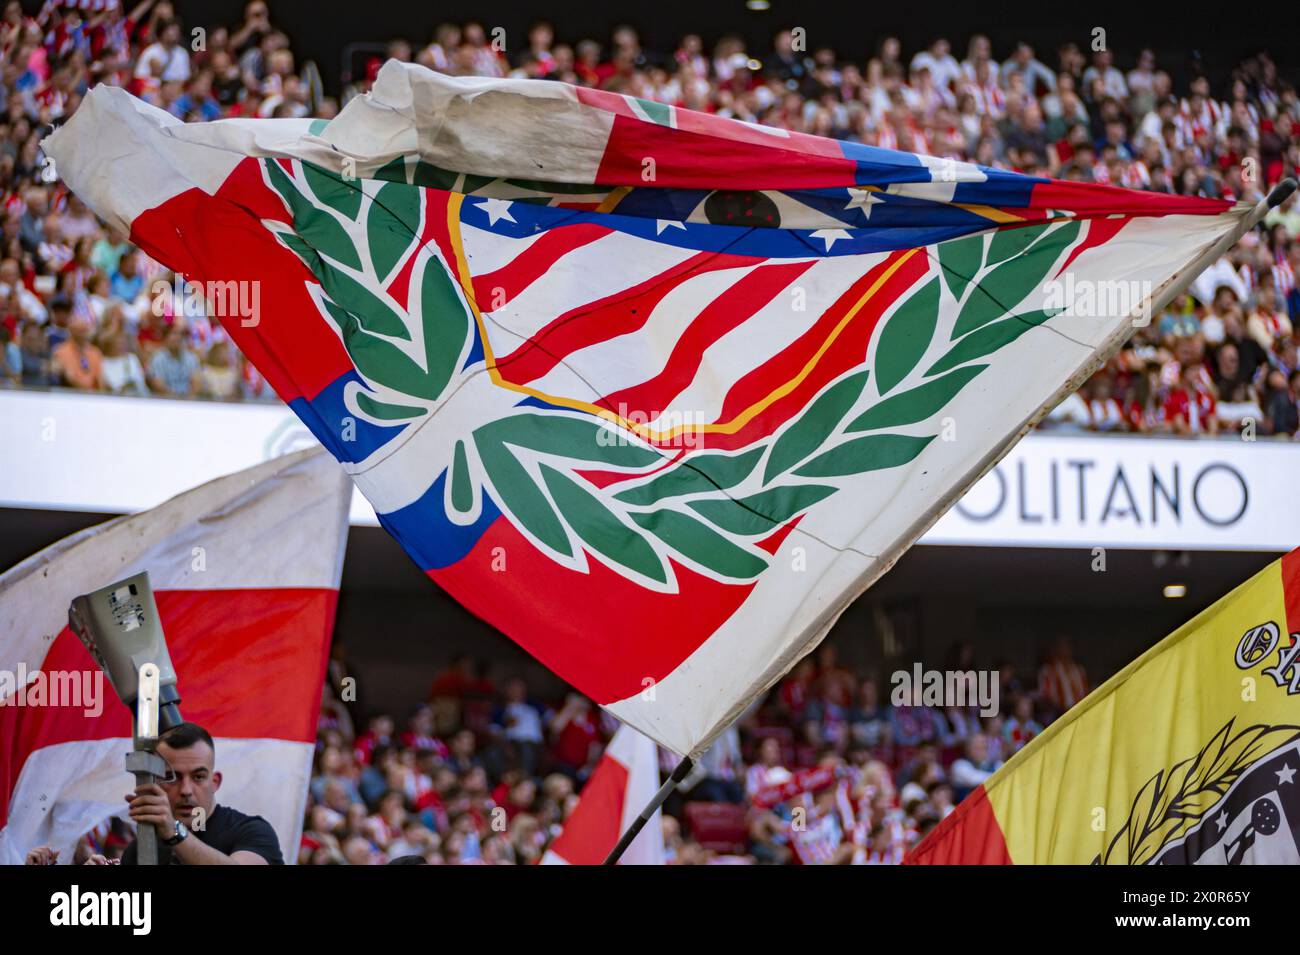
(245, 572)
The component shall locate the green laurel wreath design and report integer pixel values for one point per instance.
(688, 507)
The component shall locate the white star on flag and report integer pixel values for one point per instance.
(862, 199)
(1285, 775)
(1222, 821)
(661, 224)
(830, 236)
(496, 209)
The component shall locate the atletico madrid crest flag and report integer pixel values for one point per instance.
(1189, 755)
(656, 393)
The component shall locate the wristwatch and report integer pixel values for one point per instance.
(181, 835)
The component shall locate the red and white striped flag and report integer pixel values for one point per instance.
(245, 570)
(624, 782)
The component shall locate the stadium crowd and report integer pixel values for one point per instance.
(80, 307)
(831, 768)
(827, 769)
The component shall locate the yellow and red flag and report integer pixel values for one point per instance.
(1188, 755)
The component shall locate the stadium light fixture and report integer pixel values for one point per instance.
(1174, 591)
(120, 626)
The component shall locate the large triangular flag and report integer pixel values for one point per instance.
(1189, 755)
(245, 571)
(621, 785)
(656, 393)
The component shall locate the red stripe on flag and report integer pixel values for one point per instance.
(435, 236)
(685, 159)
(603, 479)
(532, 263)
(1100, 231)
(847, 350)
(969, 836)
(1095, 199)
(617, 314)
(436, 227)
(1291, 589)
(738, 303)
(614, 103)
(689, 154)
(249, 665)
(594, 826)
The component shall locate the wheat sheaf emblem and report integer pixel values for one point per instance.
(1174, 800)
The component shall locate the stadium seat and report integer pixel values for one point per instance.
(718, 826)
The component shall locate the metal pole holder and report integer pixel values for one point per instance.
(143, 762)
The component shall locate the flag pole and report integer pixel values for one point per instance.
(681, 772)
(1280, 193)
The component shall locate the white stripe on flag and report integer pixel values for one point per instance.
(579, 278)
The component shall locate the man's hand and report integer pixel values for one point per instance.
(98, 859)
(43, 855)
(149, 804)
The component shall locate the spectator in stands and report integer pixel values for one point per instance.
(797, 687)
(1105, 411)
(522, 726)
(574, 732)
(719, 770)
(382, 796)
(77, 362)
(174, 369)
(1021, 727)
(35, 356)
(121, 371)
(1281, 396)
(768, 771)
(165, 60)
(974, 768)
(218, 375)
(1266, 324)
(1190, 407)
(869, 719)
(912, 726)
(1062, 681)
(11, 358)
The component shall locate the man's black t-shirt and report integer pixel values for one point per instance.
(227, 830)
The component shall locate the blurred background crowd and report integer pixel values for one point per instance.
(80, 307)
(827, 769)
